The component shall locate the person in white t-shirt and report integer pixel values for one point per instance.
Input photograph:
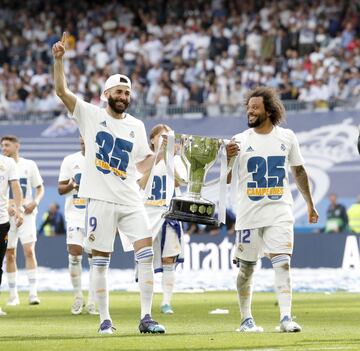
(116, 148)
(264, 218)
(30, 179)
(9, 179)
(75, 212)
(167, 234)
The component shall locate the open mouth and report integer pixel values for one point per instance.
(251, 119)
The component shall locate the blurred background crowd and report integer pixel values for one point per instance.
(181, 55)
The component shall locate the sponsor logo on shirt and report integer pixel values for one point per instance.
(103, 123)
(283, 147)
(132, 134)
(249, 149)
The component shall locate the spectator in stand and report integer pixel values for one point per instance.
(53, 222)
(336, 216)
(257, 43)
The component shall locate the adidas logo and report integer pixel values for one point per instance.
(283, 147)
(249, 149)
(103, 123)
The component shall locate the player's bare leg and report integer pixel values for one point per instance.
(144, 256)
(101, 262)
(281, 265)
(75, 270)
(168, 283)
(11, 273)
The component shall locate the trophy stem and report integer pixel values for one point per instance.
(196, 181)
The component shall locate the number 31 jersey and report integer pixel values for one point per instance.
(112, 149)
(263, 195)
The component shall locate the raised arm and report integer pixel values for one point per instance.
(61, 88)
(302, 182)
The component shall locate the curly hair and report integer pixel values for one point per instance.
(272, 103)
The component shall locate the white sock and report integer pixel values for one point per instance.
(244, 288)
(12, 278)
(75, 270)
(168, 282)
(144, 258)
(91, 297)
(281, 264)
(101, 291)
(32, 278)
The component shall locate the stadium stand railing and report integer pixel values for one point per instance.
(187, 112)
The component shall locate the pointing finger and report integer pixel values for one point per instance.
(63, 38)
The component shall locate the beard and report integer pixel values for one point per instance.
(115, 108)
(258, 122)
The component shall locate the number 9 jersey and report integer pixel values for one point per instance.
(263, 195)
(113, 147)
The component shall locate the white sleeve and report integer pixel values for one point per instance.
(35, 177)
(13, 171)
(295, 157)
(65, 172)
(83, 113)
(142, 149)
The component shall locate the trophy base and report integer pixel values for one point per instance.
(192, 210)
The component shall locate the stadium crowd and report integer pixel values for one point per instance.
(181, 53)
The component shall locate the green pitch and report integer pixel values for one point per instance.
(330, 322)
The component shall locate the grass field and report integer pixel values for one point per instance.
(330, 322)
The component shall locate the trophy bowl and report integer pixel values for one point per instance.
(198, 154)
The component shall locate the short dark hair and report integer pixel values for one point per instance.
(12, 138)
(272, 103)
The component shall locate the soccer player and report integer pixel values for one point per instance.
(75, 208)
(116, 148)
(167, 234)
(264, 218)
(30, 179)
(8, 176)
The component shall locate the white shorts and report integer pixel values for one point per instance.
(75, 235)
(26, 232)
(251, 244)
(169, 245)
(105, 219)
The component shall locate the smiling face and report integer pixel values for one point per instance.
(118, 98)
(256, 113)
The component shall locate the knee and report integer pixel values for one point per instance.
(246, 269)
(10, 255)
(29, 253)
(168, 260)
(75, 250)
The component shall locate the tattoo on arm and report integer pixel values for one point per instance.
(302, 182)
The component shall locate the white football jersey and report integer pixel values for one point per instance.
(263, 195)
(29, 177)
(113, 148)
(156, 203)
(75, 206)
(8, 172)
